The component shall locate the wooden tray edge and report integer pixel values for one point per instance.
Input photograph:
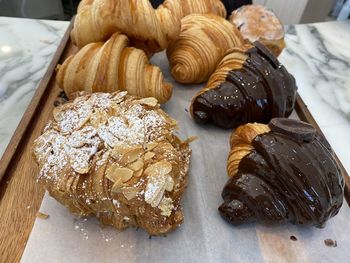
(28, 115)
(305, 115)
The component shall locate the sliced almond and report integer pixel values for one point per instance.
(132, 155)
(116, 188)
(149, 156)
(136, 166)
(118, 151)
(150, 146)
(159, 168)
(129, 192)
(116, 173)
(152, 102)
(169, 183)
(139, 173)
(155, 190)
(99, 117)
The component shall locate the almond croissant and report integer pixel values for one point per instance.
(281, 172)
(182, 8)
(202, 43)
(144, 25)
(249, 85)
(116, 157)
(112, 66)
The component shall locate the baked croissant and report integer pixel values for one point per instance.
(249, 85)
(182, 8)
(281, 172)
(115, 157)
(202, 43)
(111, 66)
(257, 23)
(137, 19)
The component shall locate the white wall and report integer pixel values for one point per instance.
(289, 11)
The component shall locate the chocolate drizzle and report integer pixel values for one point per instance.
(285, 179)
(262, 89)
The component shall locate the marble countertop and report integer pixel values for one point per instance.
(318, 55)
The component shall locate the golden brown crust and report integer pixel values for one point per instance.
(136, 18)
(182, 8)
(115, 157)
(202, 43)
(256, 23)
(240, 142)
(111, 66)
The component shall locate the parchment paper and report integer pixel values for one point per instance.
(204, 236)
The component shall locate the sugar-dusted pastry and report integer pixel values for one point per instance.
(257, 23)
(116, 157)
(111, 66)
(202, 43)
(145, 26)
(281, 172)
(182, 8)
(249, 85)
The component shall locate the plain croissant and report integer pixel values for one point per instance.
(182, 8)
(203, 42)
(111, 66)
(281, 172)
(150, 28)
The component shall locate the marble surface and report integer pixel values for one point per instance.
(26, 49)
(318, 55)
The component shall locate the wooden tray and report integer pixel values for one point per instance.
(20, 195)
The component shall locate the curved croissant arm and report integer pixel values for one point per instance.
(249, 85)
(202, 43)
(280, 173)
(135, 18)
(112, 66)
(83, 3)
(182, 8)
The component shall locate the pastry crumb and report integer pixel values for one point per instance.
(293, 238)
(330, 242)
(42, 215)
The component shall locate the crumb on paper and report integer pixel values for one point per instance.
(186, 110)
(28, 206)
(293, 238)
(42, 216)
(330, 242)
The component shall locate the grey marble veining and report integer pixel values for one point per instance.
(319, 56)
(26, 49)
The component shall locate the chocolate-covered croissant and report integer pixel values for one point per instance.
(281, 172)
(249, 85)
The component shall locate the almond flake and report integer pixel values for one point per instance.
(149, 155)
(150, 146)
(116, 173)
(169, 183)
(155, 190)
(139, 173)
(136, 166)
(159, 168)
(129, 192)
(152, 102)
(132, 155)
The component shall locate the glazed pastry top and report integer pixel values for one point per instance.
(290, 174)
(255, 87)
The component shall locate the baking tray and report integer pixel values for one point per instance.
(21, 197)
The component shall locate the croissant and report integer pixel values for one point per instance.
(202, 43)
(115, 157)
(257, 23)
(249, 85)
(281, 172)
(99, 19)
(112, 66)
(182, 8)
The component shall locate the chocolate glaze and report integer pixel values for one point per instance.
(284, 180)
(260, 90)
